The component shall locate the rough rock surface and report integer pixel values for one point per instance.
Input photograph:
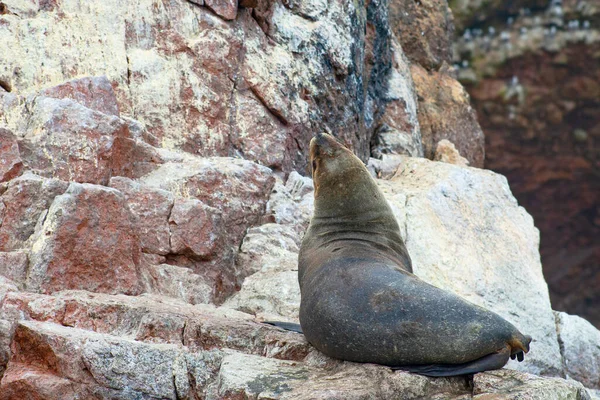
(580, 347)
(208, 77)
(445, 113)
(151, 216)
(10, 163)
(534, 84)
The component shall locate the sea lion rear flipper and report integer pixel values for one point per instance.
(486, 363)
(288, 326)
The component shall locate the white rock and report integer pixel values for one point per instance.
(580, 346)
(467, 234)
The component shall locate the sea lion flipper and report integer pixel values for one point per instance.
(486, 363)
(288, 326)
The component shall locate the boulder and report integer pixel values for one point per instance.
(86, 241)
(466, 233)
(11, 164)
(65, 140)
(93, 92)
(151, 209)
(25, 200)
(580, 348)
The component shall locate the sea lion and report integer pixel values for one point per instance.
(359, 299)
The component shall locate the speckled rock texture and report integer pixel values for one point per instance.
(154, 194)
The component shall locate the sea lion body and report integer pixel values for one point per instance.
(359, 299)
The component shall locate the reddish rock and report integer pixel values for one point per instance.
(87, 241)
(11, 164)
(21, 205)
(425, 29)
(239, 189)
(445, 113)
(68, 141)
(157, 320)
(151, 209)
(95, 93)
(196, 229)
(13, 265)
(227, 9)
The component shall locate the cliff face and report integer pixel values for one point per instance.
(152, 202)
(535, 86)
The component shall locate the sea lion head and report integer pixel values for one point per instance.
(343, 185)
(333, 164)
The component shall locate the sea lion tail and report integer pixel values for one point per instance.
(490, 362)
(519, 344)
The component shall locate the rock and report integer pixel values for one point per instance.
(151, 209)
(445, 113)
(445, 151)
(267, 246)
(531, 91)
(11, 164)
(424, 29)
(467, 234)
(237, 188)
(247, 376)
(386, 167)
(177, 282)
(6, 334)
(271, 294)
(399, 131)
(270, 253)
(26, 199)
(87, 241)
(65, 140)
(580, 348)
(223, 8)
(195, 229)
(13, 266)
(155, 319)
(86, 360)
(292, 203)
(506, 384)
(94, 92)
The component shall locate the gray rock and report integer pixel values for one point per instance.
(512, 385)
(580, 347)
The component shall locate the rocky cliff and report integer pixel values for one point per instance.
(533, 71)
(152, 198)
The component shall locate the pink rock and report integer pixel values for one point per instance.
(151, 208)
(87, 242)
(13, 265)
(196, 229)
(11, 164)
(227, 9)
(68, 141)
(239, 189)
(93, 92)
(24, 201)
